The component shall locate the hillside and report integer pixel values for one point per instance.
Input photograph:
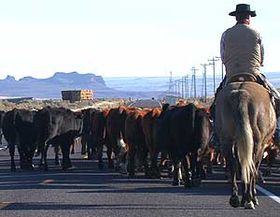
(50, 88)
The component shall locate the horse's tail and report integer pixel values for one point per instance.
(244, 135)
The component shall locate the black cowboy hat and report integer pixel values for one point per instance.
(243, 8)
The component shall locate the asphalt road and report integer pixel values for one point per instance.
(86, 191)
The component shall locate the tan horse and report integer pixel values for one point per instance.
(245, 121)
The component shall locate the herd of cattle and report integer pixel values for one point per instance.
(180, 134)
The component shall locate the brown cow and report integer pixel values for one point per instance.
(98, 132)
(149, 130)
(135, 139)
(115, 132)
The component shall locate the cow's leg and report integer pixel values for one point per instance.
(155, 173)
(188, 168)
(40, 150)
(29, 158)
(90, 144)
(209, 161)
(143, 159)
(45, 152)
(199, 172)
(12, 155)
(196, 168)
(73, 147)
(131, 160)
(83, 144)
(100, 156)
(270, 159)
(176, 173)
(109, 156)
(233, 167)
(65, 149)
(1, 136)
(22, 156)
(56, 152)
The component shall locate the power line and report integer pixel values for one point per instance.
(194, 70)
(205, 79)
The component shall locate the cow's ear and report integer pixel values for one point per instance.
(165, 106)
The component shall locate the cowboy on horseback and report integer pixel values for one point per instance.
(242, 54)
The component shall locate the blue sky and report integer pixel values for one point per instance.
(123, 37)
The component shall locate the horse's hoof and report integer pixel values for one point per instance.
(13, 169)
(234, 201)
(249, 205)
(256, 202)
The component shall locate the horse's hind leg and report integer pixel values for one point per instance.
(247, 199)
(255, 178)
(233, 167)
(249, 192)
(254, 192)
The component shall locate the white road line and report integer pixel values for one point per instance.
(268, 193)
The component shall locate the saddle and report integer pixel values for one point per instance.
(242, 78)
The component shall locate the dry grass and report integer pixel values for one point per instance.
(97, 103)
(39, 104)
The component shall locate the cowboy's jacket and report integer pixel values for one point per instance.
(241, 50)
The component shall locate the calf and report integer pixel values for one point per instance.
(57, 126)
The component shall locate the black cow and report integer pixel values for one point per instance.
(86, 137)
(2, 113)
(58, 127)
(183, 132)
(19, 130)
(98, 132)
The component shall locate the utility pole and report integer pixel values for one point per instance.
(182, 88)
(205, 78)
(170, 82)
(213, 63)
(194, 70)
(186, 87)
(222, 67)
